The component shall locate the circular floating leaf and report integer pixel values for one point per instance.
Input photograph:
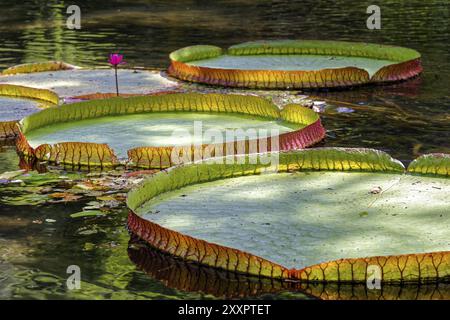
(14, 109)
(20, 91)
(291, 62)
(178, 274)
(88, 213)
(288, 64)
(432, 164)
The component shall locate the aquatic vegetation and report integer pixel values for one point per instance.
(38, 67)
(115, 59)
(28, 92)
(409, 120)
(9, 128)
(398, 267)
(12, 108)
(307, 128)
(178, 274)
(290, 64)
(107, 188)
(77, 153)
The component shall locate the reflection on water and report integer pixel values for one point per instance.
(35, 256)
(405, 119)
(177, 274)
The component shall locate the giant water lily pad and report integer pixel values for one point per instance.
(19, 101)
(38, 67)
(300, 225)
(289, 64)
(76, 82)
(92, 133)
(122, 133)
(292, 62)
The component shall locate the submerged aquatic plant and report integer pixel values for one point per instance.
(115, 59)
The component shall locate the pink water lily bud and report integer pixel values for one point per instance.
(115, 59)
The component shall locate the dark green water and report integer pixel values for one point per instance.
(405, 119)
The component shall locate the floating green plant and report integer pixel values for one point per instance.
(181, 275)
(344, 196)
(8, 129)
(300, 126)
(432, 164)
(38, 67)
(290, 64)
(28, 92)
(9, 119)
(167, 129)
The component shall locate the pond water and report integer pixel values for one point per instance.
(405, 119)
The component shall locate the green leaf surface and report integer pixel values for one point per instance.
(302, 219)
(292, 62)
(88, 213)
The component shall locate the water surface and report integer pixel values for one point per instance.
(415, 115)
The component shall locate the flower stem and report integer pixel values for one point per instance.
(117, 82)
